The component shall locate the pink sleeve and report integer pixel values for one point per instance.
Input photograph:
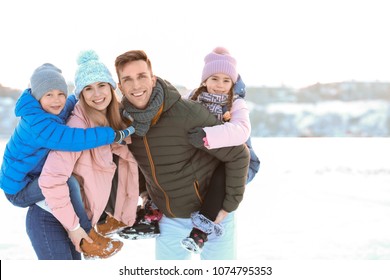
(232, 133)
(53, 182)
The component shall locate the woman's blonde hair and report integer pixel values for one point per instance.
(112, 118)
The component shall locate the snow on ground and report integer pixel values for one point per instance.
(313, 199)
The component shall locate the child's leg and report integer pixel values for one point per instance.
(216, 194)
(203, 221)
(78, 205)
(32, 194)
(29, 195)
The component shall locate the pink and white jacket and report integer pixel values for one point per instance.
(94, 169)
(234, 132)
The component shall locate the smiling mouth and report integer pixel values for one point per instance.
(137, 94)
(99, 101)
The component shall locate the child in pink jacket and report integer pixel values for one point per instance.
(94, 168)
(219, 92)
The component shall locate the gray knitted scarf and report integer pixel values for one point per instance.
(214, 103)
(143, 118)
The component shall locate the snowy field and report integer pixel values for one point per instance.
(314, 199)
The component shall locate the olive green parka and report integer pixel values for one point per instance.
(176, 173)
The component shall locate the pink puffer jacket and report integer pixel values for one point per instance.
(94, 169)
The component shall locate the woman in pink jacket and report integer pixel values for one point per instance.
(94, 169)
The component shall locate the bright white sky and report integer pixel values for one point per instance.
(290, 42)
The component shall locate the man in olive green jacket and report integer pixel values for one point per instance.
(177, 174)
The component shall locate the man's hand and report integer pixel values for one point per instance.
(221, 215)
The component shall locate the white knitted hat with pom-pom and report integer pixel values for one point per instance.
(219, 61)
(89, 71)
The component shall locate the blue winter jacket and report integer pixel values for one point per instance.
(254, 164)
(36, 134)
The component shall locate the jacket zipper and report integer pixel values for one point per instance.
(196, 187)
(155, 178)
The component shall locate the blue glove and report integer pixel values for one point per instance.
(120, 135)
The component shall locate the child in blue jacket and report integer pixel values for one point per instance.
(43, 110)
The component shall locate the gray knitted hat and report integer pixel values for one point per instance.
(45, 78)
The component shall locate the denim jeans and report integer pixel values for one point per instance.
(173, 230)
(48, 237)
(27, 196)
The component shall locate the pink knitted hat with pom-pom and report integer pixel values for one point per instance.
(219, 61)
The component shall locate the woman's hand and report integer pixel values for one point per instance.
(77, 235)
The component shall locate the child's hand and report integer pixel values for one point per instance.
(120, 135)
(227, 116)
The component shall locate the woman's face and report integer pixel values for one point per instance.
(219, 84)
(97, 95)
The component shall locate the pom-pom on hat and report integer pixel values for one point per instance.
(219, 61)
(90, 71)
(45, 78)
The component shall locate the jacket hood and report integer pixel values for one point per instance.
(80, 115)
(27, 105)
(171, 98)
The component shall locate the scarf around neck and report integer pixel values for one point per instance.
(143, 118)
(214, 103)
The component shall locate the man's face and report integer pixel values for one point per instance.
(136, 82)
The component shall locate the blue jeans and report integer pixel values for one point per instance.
(173, 230)
(48, 237)
(32, 193)
(27, 196)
